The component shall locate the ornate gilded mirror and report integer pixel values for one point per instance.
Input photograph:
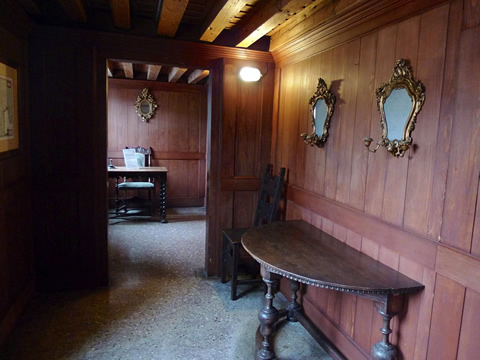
(145, 105)
(321, 104)
(398, 101)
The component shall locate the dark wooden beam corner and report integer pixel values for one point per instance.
(121, 13)
(74, 9)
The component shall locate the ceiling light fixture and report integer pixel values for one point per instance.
(250, 74)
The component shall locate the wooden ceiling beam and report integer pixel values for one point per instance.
(74, 10)
(153, 71)
(220, 17)
(271, 14)
(197, 75)
(121, 13)
(315, 5)
(175, 74)
(169, 15)
(128, 70)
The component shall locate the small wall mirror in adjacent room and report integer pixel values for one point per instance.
(399, 101)
(145, 105)
(321, 104)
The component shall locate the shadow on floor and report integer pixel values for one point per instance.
(158, 306)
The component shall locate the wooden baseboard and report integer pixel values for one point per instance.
(10, 320)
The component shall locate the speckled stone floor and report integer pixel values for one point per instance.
(159, 305)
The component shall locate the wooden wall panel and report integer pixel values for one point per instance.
(247, 135)
(469, 346)
(377, 163)
(447, 114)
(326, 62)
(364, 118)
(396, 172)
(346, 119)
(390, 208)
(431, 62)
(177, 134)
(464, 166)
(331, 160)
(445, 330)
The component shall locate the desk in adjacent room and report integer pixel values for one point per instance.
(305, 254)
(154, 172)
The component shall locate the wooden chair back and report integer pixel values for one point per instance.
(269, 197)
(147, 152)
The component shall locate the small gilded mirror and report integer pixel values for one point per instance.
(145, 105)
(398, 101)
(321, 104)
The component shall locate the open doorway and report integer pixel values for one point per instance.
(177, 131)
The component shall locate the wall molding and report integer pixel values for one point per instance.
(337, 29)
(413, 246)
(460, 267)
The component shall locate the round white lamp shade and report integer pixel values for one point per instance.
(250, 74)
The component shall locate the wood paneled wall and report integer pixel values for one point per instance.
(244, 150)
(69, 120)
(17, 279)
(417, 214)
(177, 134)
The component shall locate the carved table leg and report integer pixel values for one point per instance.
(293, 306)
(268, 317)
(384, 350)
(163, 198)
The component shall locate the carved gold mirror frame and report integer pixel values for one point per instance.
(145, 105)
(321, 104)
(405, 98)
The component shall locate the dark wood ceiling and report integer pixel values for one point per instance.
(233, 23)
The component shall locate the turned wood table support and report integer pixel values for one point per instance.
(268, 316)
(387, 306)
(305, 254)
(293, 307)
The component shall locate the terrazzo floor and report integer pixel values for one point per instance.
(159, 305)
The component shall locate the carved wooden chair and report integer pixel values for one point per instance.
(124, 203)
(233, 254)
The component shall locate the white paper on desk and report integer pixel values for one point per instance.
(130, 157)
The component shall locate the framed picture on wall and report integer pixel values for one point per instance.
(8, 108)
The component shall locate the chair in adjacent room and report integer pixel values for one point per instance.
(233, 255)
(124, 203)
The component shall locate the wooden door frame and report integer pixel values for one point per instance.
(164, 51)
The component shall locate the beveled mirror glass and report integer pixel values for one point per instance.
(321, 104)
(145, 105)
(399, 101)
